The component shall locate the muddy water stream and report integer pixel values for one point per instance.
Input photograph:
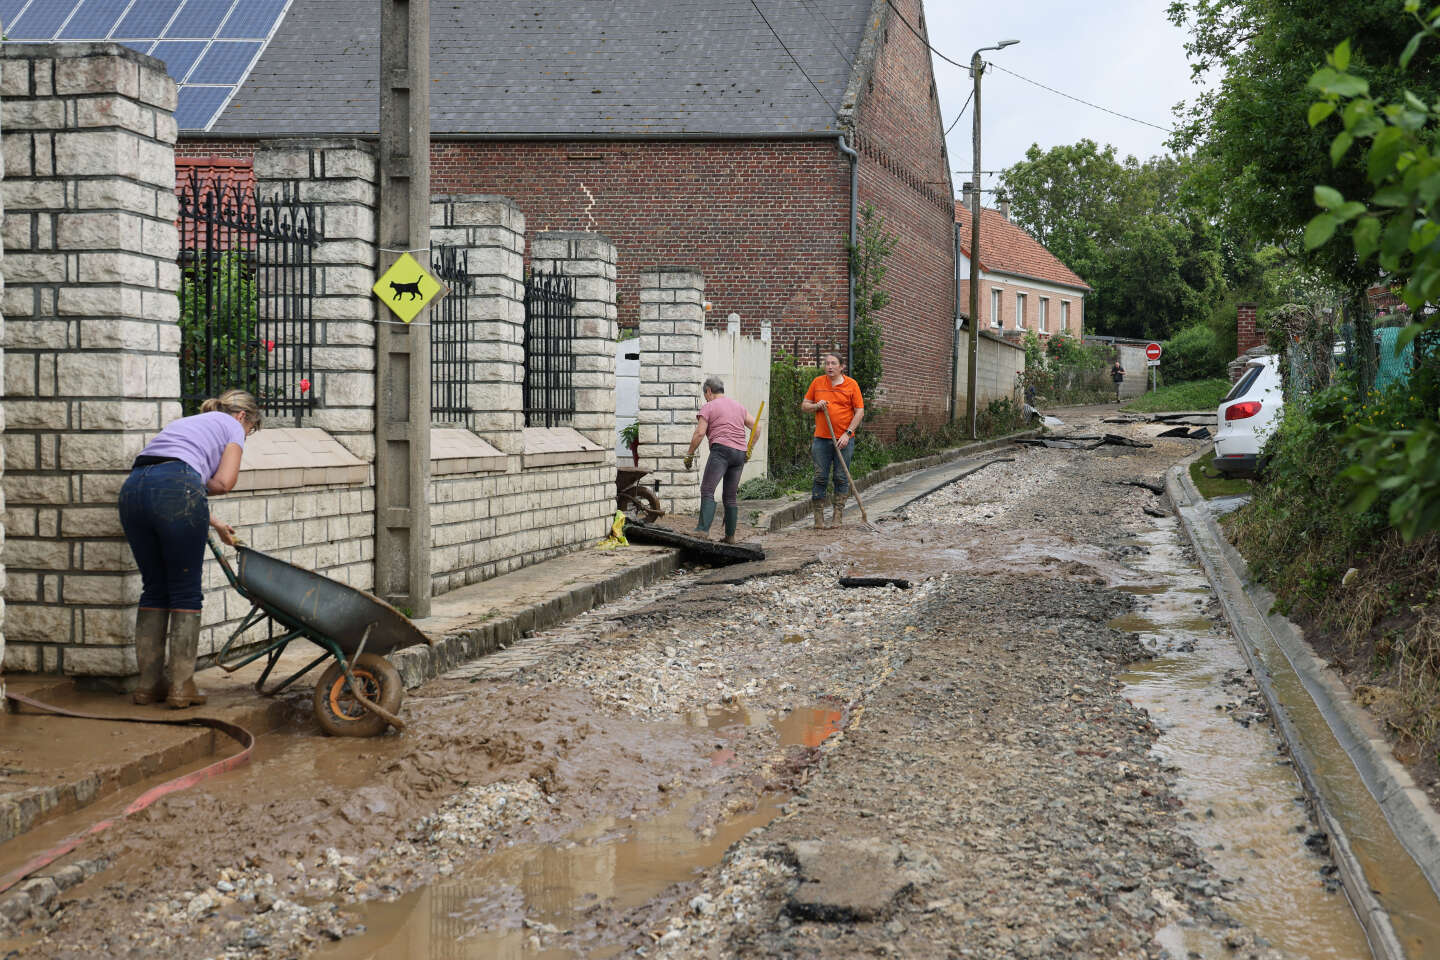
(1246, 806)
(506, 904)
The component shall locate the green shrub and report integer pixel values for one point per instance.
(790, 429)
(1194, 353)
(760, 488)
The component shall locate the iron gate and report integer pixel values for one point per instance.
(549, 350)
(451, 334)
(247, 291)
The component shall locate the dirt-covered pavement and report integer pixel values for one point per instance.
(775, 767)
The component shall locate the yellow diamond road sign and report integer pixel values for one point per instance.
(407, 288)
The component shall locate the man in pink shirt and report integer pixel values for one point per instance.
(723, 421)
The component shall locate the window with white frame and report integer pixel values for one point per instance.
(995, 308)
(1044, 309)
(1019, 311)
(1065, 315)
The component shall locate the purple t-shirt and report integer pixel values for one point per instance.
(725, 422)
(198, 441)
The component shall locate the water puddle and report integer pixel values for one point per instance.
(513, 903)
(1244, 803)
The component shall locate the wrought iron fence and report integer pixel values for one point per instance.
(247, 292)
(549, 350)
(451, 334)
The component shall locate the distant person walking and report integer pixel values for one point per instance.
(1117, 373)
(834, 399)
(165, 513)
(723, 422)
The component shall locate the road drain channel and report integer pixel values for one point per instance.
(1244, 804)
(508, 903)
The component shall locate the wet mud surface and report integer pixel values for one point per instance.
(775, 767)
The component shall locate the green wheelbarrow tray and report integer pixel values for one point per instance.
(343, 621)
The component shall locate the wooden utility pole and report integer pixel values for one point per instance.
(402, 352)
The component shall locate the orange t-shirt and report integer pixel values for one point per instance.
(844, 400)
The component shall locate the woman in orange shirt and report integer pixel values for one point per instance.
(837, 395)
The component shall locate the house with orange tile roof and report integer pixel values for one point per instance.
(1023, 286)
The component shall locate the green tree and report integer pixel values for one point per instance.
(872, 247)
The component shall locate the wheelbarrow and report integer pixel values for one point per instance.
(636, 501)
(359, 694)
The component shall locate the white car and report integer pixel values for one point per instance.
(1247, 416)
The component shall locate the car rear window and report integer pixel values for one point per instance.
(1247, 379)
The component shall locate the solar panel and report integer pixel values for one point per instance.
(199, 18)
(93, 18)
(208, 46)
(41, 20)
(179, 55)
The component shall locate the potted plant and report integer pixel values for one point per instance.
(631, 435)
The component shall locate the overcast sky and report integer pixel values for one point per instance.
(1120, 54)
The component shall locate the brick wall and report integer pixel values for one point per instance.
(904, 175)
(1246, 336)
(1008, 287)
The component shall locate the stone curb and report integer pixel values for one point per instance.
(25, 811)
(419, 664)
(799, 509)
(1246, 605)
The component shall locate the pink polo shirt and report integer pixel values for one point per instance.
(725, 422)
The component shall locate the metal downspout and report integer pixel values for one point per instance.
(849, 262)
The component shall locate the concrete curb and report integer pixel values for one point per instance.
(799, 509)
(1246, 604)
(419, 664)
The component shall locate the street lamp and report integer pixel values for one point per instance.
(977, 67)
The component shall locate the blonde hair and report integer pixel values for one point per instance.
(232, 402)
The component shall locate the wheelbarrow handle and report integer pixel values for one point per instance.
(224, 564)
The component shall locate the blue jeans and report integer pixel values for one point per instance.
(822, 451)
(166, 517)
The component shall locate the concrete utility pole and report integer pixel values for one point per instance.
(977, 66)
(402, 353)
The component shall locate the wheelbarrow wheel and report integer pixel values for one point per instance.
(340, 714)
(641, 504)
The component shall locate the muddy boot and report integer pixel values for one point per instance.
(180, 668)
(732, 520)
(707, 516)
(817, 507)
(150, 655)
(837, 503)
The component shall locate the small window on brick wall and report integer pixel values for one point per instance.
(1019, 311)
(1043, 317)
(1065, 315)
(995, 309)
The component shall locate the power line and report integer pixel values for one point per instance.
(921, 36)
(792, 57)
(834, 34)
(961, 113)
(1087, 103)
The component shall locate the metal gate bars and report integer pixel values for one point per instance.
(549, 350)
(247, 291)
(451, 334)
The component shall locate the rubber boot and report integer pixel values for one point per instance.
(732, 520)
(150, 654)
(707, 515)
(180, 668)
(837, 503)
(817, 507)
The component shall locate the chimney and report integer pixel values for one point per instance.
(1005, 209)
(967, 195)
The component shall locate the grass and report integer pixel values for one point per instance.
(1211, 485)
(1195, 395)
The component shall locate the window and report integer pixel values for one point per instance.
(1044, 309)
(1065, 315)
(1019, 311)
(995, 308)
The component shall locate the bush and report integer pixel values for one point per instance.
(1194, 353)
(790, 429)
(760, 488)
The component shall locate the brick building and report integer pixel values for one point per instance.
(686, 131)
(1023, 286)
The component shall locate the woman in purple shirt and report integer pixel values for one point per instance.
(165, 513)
(723, 422)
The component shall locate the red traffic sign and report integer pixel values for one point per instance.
(1152, 351)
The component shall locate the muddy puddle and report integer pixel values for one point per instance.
(520, 900)
(1244, 805)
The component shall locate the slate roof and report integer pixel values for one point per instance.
(1006, 248)
(550, 68)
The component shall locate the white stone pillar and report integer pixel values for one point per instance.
(672, 324)
(590, 259)
(91, 339)
(492, 231)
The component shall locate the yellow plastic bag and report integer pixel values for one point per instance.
(617, 534)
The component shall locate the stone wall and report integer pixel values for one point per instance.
(997, 363)
(672, 319)
(91, 341)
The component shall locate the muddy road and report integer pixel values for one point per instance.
(778, 767)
